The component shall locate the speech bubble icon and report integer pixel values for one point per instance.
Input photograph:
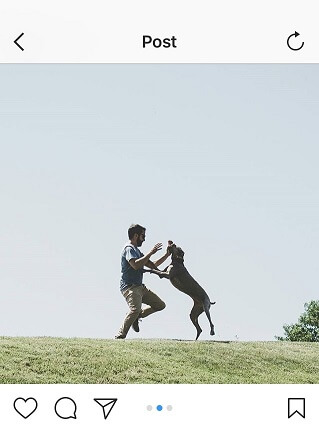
(65, 408)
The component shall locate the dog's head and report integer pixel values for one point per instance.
(177, 252)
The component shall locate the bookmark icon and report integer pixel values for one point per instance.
(107, 405)
(297, 406)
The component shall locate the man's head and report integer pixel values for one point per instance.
(136, 234)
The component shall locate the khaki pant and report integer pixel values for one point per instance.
(135, 296)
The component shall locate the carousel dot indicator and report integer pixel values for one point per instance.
(169, 407)
(149, 407)
(159, 407)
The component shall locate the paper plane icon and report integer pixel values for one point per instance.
(107, 405)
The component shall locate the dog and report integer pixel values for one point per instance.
(183, 281)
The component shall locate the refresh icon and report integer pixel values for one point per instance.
(296, 34)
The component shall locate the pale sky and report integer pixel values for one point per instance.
(222, 159)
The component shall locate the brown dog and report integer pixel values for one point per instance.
(183, 281)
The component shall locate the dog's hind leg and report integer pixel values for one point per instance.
(206, 309)
(195, 312)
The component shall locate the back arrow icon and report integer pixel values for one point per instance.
(295, 35)
(16, 42)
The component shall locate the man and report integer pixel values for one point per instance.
(131, 285)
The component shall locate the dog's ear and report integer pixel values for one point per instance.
(180, 252)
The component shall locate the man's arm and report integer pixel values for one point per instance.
(151, 264)
(161, 260)
(139, 263)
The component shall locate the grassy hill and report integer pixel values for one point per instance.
(58, 360)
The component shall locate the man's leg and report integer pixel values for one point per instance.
(155, 303)
(133, 297)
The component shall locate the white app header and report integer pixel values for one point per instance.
(141, 31)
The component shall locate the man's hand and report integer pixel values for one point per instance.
(162, 259)
(156, 248)
(145, 260)
(170, 243)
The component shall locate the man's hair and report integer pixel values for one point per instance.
(135, 229)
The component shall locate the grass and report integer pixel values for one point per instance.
(58, 360)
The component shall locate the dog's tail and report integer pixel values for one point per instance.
(212, 303)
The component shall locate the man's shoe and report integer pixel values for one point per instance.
(119, 337)
(135, 325)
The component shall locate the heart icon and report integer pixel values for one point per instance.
(25, 408)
